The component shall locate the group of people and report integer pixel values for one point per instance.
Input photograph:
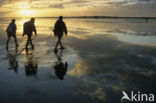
(28, 29)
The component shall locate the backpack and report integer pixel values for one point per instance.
(59, 27)
(10, 28)
(27, 28)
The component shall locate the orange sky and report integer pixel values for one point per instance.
(46, 8)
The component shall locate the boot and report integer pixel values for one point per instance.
(6, 46)
(32, 47)
(62, 47)
(17, 45)
(55, 50)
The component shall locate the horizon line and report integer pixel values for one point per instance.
(148, 17)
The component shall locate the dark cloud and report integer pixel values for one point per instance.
(79, 3)
(133, 8)
(60, 6)
(117, 3)
(144, 0)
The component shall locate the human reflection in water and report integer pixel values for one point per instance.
(60, 67)
(31, 65)
(13, 60)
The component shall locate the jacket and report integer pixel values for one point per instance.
(28, 28)
(60, 28)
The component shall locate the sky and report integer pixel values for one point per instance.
(49, 8)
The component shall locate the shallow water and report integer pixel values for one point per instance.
(103, 57)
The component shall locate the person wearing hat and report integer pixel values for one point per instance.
(11, 32)
(59, 30)
(28, 29)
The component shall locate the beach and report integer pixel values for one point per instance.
(103, 57)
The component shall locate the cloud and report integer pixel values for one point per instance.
(60, 6)
(117, 3)
(87, 7)
(133, 8)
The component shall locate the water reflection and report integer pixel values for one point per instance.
(60, 66)
(31, 66)
(112, 67)
(101, 65)
(13, 60)
(91, 27)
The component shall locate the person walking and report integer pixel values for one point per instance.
(11, 32)
(59, 29)
(28, 29)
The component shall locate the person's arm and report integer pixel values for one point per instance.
(15, 28)
(7, 28)
(65, 29)
(55, 26)
(34, 29)
(54, 30)
(24, 29)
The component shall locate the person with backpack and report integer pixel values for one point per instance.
(28, 29)
(11, 32)
(59, 30)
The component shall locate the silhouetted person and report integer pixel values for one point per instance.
(59, 29)
(60, 67)
(13, 61)
(31, 65)
(11, 32)
(28, 29)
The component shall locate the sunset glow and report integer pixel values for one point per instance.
(47, 8)
(26, 13)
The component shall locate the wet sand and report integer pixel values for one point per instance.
(100, 64)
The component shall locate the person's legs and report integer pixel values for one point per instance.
(62, 47)
(31, 42)
(7, 40)
(27, 43)
(59, 41)
(57, 44)
(15, 40)
(60, 38)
